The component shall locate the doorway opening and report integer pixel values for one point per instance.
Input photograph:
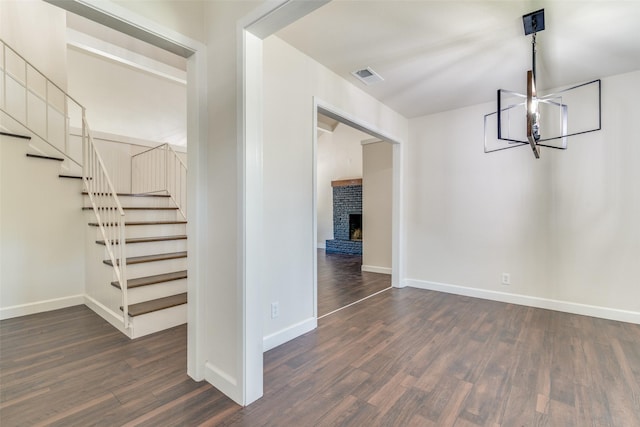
(354, 175)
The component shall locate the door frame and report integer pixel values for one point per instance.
(397, 256)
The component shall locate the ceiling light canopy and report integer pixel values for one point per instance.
(541, 121)
(533, 22)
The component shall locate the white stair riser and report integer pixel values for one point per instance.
(140, 215)
(147, 230)
(151, 248)
(158, 290)
(152, 215)
(155, 230)
(158, 320)
(156, 267)
(138, 201)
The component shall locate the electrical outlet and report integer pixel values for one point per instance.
(506, 279)
(275, 309)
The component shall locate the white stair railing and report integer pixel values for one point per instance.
(108, 211)
(160, 170)
(29, 98)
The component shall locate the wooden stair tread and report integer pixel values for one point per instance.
(151, 280)
(140, 208)
(150, 258)
(147, 239)
(135, 195)
(40, 156)
(157, 304)
(15, 135)
(95, 224)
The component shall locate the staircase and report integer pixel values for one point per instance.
(156, 260)
(136, 244)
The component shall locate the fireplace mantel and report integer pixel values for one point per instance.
(346, 182)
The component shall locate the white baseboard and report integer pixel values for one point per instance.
(224, 382)
(530, 301)
(322, 245)
(374, 269)
(107, 314)
(294, 331)
(40, 306)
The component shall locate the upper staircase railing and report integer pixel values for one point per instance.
(28, 97)
(31, 99)
(160, 170)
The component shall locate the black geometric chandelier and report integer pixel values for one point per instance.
(541, 121)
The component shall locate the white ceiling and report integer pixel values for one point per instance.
(440, 55)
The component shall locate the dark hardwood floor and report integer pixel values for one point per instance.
(341, 281)
(405, 357)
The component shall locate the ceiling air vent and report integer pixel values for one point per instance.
(367, 76)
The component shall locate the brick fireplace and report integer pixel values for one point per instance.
(347, 218)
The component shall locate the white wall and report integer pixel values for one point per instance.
(339, 156)
(123, 100)
(41, 223)
(291, 79)
(185, 17)
(565, 227)
(377, 196)
(41, 234)
(37, 30)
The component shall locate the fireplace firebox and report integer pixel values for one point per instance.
(355, 226)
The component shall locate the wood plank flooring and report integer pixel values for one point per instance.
(405, 357)
(341, 281)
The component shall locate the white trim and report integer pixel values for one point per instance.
(287, 334)
(250, 171)
(530, 301)
(314, 209)
(322, 245)
(88, 44)
(197, 214)
(124, 20)
(345, 118)
(376, 269)
(107, 314)
(222, 381)
(40, 306)
(397, 221)
(274, 15)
